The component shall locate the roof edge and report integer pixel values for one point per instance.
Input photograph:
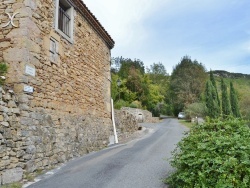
(94, 22)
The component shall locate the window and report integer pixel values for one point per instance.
(64, 19)
(53, 50)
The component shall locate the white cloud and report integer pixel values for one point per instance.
(123, 19)
(208, 31)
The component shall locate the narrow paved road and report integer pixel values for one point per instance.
(138, 164)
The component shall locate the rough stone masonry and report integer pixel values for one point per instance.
(56, 102)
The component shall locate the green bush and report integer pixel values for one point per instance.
(196, 109)
(121, 103)
(135, 104)
(215, 154)
(3, 71)
(12, 185)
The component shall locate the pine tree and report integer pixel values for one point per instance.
(234, 102)
(213, 109)
(225, 103)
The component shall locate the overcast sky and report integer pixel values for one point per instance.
(214, 32)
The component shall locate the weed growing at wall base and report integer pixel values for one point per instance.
(3, 71)
(215, 154)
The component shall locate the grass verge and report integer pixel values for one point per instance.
(186, 123)
(12, 185)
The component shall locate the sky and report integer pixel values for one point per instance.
(216, 33)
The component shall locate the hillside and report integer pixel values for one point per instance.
(225, 74)
(241, 83)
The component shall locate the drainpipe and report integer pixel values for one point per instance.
(113, 121)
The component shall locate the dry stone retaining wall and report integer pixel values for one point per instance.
(127, 121)
(30, 140)
(126, 124)
(141, 115)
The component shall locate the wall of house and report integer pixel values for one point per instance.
(68, 113)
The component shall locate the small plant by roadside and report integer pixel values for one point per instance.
(12, 185)
(214, 154)
(32, 176)
(3, 71)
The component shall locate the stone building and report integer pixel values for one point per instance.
(56, 102)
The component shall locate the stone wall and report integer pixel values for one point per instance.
(30, 140)
(79, 77)
(67, 112)
(126, 124)
(127, 121)
(141, 115)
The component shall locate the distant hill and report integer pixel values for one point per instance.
(225, 74)
(241, 84)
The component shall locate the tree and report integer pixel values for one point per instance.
(157, 73)
(187, 82)
(234, 102)
(212, 107)
(216, 96)
(114, 88)
(225, 103)
(159, 76)
(212, 98)
(126, 64)
(196, 109)
(116, 64)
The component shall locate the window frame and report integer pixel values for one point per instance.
(70, 12)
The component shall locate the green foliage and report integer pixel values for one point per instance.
(212, 106)
(215, 154)
(166, 109)
(135, 104)
(12, 185)
(215, 95)
(225, 103)
(136, 83)
(121, 103)
(115, 64)
(114, 88)
(234, 101)
(148, 89)
(157, 73)
(3, 71)
(127, 64)
(154, 94)
(245, 108)
(242, 86)
(187, 82)
(196, 109)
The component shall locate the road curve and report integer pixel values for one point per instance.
(139, 163)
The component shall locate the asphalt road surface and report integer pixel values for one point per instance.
(140, 163)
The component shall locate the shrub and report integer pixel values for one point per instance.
(3, 71)
(215, 154)
(135, 104)
(196, 109)
(120, 103)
